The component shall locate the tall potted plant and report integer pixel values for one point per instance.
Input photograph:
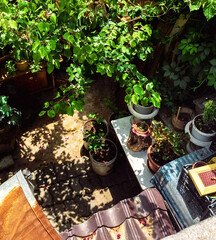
(166, 146)
(204, 125)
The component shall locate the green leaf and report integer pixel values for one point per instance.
(43, 51)
(51, 113)
(13, 24)
(41, 113)
(213, 62)
(138, 90)
(53, 18)
(135, 99)
(70, 111)
(127, 99)
(35, 45)
(133, 43)
(46, 104)
(43, 27)
(36, 57)
(52, 44)
(149, 86)
(50, 67)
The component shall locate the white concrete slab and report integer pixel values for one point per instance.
(137, 160)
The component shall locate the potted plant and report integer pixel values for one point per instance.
(21, 57)
(94, 128)
(204, 125)
(9, 116)
(182, 117)
(116, 113)
(166, 146)
(141, 99)
(140, 136)
(103, 153)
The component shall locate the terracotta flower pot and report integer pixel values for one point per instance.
(22, 66)
(153, 166)
(180, 123)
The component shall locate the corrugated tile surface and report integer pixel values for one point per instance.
(142, 217)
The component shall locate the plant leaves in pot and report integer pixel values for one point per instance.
(9, 116)
(94, 128)
(204, 125)
(141, 99)
(103, 153)
(166, 146)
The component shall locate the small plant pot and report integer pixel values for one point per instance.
(143, 110)
(199, 135)
(140, 116)
(87, 126)
(104, 168)
(22, 66)
(153, 166)
(185, 115)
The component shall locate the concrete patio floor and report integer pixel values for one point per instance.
(66, 187)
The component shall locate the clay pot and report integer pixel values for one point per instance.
(178, 123)
(22, 66)
(153, 166)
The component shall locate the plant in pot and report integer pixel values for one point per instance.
(116, 113)
(141, 99)
(204, 125)
(182, 117)
(140, 136)
(21, 57)
(103, 153)
(9, 116)
(94, 127)
(166, 146)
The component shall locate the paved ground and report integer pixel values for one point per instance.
(71, 192)
(65, 185)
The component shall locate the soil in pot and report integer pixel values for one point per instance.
(106, 153)
(206, 128)
(156, 159)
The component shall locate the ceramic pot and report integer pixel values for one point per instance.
(199, 135)
(139, 116)
(143, 110)
(86, 143)
(153, 166)
(22, 66)
(104, 168)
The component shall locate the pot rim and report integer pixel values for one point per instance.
(147, 133)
